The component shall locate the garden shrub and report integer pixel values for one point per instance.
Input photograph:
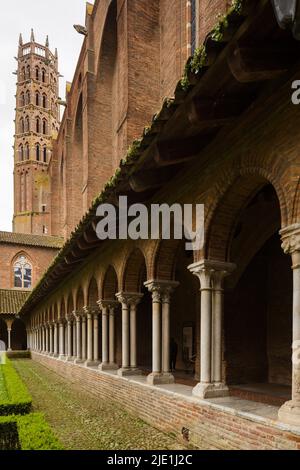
(18, 400)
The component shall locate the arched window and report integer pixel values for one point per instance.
(37, 73)
(45, 154)
(21, 152)
(23, 74)
(27, 124)
(38, 125)
(38, 152)
(27, 151)
(37, 98)
(43, 75)
(45, 126)
(22, 273)
(28, 72)
(44, 101)
(22, 99)
(28, 97)
(21, 126)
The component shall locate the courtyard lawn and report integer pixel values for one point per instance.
(83, 422)
(3, 391)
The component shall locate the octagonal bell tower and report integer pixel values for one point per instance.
(36, 126)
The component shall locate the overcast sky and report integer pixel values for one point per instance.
(52, 17)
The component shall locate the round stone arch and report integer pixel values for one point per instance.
(80, 300)
(223, 215)
(134, 271)
(92, 292)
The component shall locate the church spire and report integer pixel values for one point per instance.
(20, 40)
(32, 38)
(47, 41)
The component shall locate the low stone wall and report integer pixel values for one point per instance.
(209, 427)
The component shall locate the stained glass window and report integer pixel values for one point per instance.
(22, 273)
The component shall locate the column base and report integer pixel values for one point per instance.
(91, 363)
(62, 357)
(108, 366)
(157, 378)
(130, 371)
(289, 413)
(79, 361)
(208, 390)
(55, 355)
(70, 358)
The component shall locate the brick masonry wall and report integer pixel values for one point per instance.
(210, 428)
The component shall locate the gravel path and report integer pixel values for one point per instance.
(82, 422)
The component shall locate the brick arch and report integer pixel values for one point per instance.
(79, 296)
(62, 308)
(93, 293)
(70, 304)
(110, 284)
(223, 217)
(165, 259)
(135, 271)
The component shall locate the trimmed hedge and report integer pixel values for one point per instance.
(19, 401)
(18, 354)
(30, 432)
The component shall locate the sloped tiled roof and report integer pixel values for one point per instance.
(42, 241)
(12, 300)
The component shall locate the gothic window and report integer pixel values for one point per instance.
(22, 273)
(27, 151)
(37, 73)
(22, 99)
(23, 74)
(38, 125)
(43, 75)
(21, 126)
(27, 124)
(194, 11)
(38, 152)
(28, 72)
(28, 97)
(44, 101)
(44, 126)
(37, 98)
(21, 152)
(45, 154)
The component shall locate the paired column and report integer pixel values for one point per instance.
(290, 412)
(78, 318)
(129, 302)
(70, 338)
(108, 308)
(61, 338)
(92, 336)
(161, 297)
(55, 339)
(211, 275)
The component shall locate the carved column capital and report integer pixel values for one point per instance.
(129, 298)
(161, 290)
(211, 273)
(91, 309)
(108, 304)
(290, 237)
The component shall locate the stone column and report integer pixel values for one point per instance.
(161, 291)
(210, 274)
(70, 338)
(9, 338)
(108, 308)
(61, 339)
(78, 359)
(96, 336)
(47, 339)
(129, 302)
(83, 338)
(55, 339)
(166, 290)
(51, 351)
(74, 345)
(91, 312)
(290, 412)
(112, 313)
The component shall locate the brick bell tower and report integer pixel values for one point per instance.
(36, 124)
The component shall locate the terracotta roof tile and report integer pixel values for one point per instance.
(43, 241)
(11, 300)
